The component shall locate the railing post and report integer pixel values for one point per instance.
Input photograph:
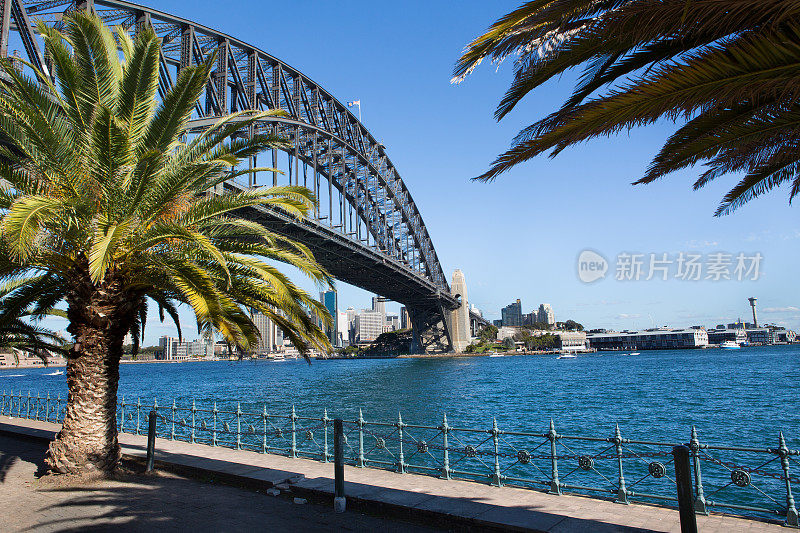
(361, 462)
(791, 510)
(122, 416)
(214, 425)
(293, 453)
(699, 498)
(446, 453)
(172, 430)
(238, 425)
(555, 483)
(401, 465)
(325, 433)
(28, 406)
(622, 492)
(497, 478)
(38, 402)
(339, 501)
(58, 406)
(19, 406)
(194, 416)
(46, 407)
(151, 440)
(683, 480)
(264, 420)
(3, 405)
(138, 413)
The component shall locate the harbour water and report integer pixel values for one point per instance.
(743, 397)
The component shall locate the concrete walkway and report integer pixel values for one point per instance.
(462, 504)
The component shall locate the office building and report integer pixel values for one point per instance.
(368, 326)
(572, 341)
(545, 315)
(405, 319)
(331, 302)
(512, 314)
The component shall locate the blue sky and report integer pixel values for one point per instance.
(518, 237)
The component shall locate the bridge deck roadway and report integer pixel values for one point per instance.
(409, 495)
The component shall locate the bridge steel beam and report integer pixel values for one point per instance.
(367, 230)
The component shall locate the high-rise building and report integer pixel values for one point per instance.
(379, 306)
(512, 314)
(331, 302)
(351, 325)
(268, 332)
(369, 325)
(405, 319)
(343, 328)
(545, 314)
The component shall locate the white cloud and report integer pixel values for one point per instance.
(626, 316)
(787, 309)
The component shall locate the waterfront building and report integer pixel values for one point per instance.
(785, 335)
(654, 339)
(498, 323)
(331, 302)
(718, 336)
(265, 328)
(393, 322)
(368, 326)
(172, 349)
(512, 314)
(545, 314)
(759, 336)
(740, 324)
(571, 341)
(200, 348)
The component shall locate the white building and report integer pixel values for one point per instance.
(545, 314)
(369, 325)
(268, 332)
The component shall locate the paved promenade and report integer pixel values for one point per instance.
(420, 498)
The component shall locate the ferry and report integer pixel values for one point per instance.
(729, 345)
(567, 356)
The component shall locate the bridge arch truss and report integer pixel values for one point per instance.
(367, 230)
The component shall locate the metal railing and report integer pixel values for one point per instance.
(612, 466)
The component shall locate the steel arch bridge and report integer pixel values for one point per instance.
(367, 230)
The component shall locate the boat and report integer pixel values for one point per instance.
(567, 356)
(56, 373)
(634, 353)
(729, 345)
(497, 355)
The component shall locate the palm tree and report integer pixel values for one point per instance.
(20, 328)
(107, 203)
(727, 68)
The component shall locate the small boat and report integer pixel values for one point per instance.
(496, 355)
(634, 353)
(567, 356)
(729, 345)
(56, 373)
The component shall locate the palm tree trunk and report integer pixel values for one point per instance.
(99, 319)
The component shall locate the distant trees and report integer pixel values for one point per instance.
(571, 325)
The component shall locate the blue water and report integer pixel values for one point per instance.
(742, 397)
(735, 398)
